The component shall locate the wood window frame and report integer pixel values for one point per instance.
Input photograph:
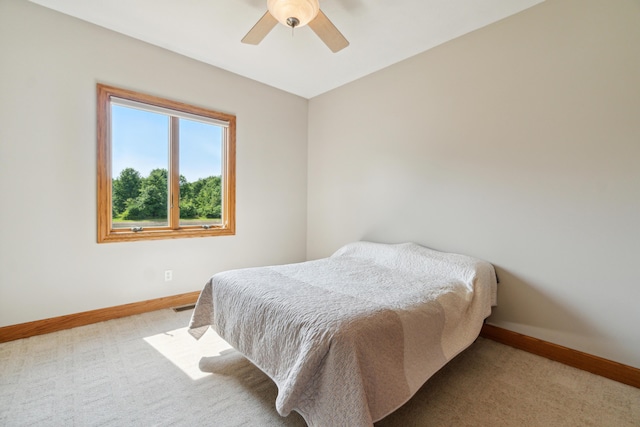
(106, 233)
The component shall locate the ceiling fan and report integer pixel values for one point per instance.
(293, 14)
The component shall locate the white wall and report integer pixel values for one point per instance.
(50, 263)
(519, 144)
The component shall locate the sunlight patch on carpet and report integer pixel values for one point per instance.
(185, 352)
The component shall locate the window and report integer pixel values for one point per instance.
(165, 169)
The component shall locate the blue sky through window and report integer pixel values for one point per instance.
(140, 140)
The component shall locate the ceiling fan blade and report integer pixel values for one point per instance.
(261, 29)
(328, 32)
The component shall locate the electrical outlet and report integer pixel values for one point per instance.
(168, 275)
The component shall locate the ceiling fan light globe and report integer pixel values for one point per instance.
(303, 10)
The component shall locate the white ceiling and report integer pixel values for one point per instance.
(381, 33)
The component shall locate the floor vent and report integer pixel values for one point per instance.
(184, 308)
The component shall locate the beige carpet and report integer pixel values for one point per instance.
(143, 371)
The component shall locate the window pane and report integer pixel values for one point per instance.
(138, 166)
(140, 162)
(200, 173)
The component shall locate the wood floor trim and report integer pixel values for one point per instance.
(54, 324)
(587, 362)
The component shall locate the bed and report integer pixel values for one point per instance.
(350, 338)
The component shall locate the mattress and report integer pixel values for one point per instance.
(350, 338)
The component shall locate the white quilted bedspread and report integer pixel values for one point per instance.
(350, 338)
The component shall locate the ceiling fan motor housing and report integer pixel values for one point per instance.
(293, 13)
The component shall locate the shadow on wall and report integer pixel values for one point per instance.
(520, 302)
